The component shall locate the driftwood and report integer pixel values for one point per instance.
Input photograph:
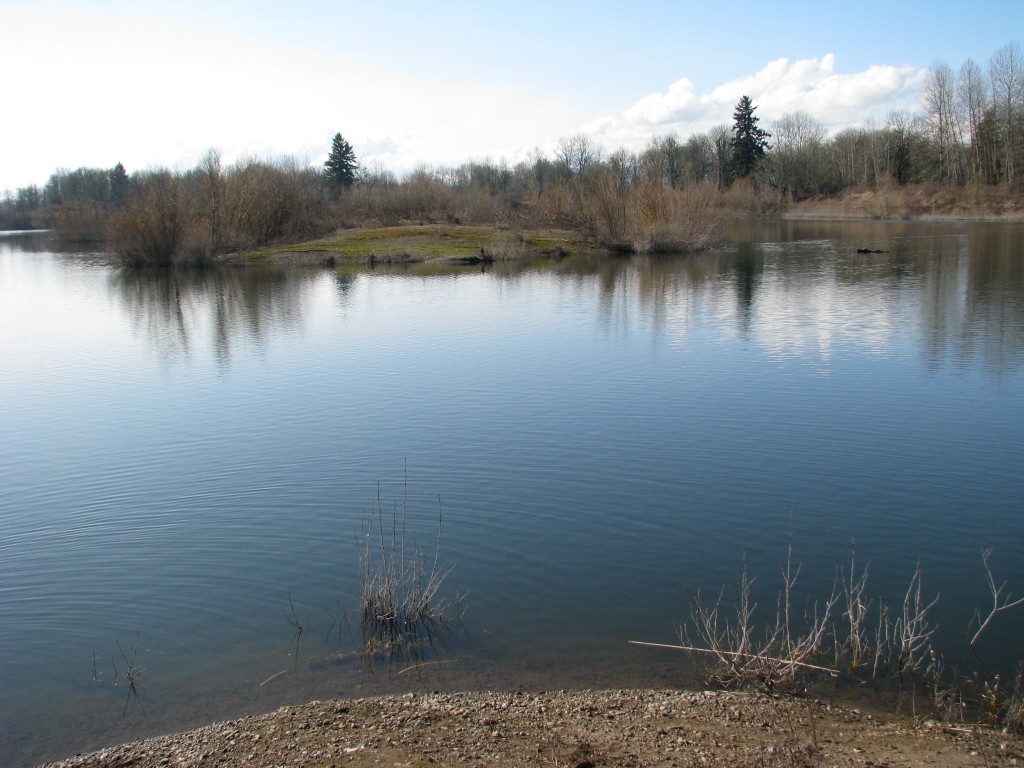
(734, 654)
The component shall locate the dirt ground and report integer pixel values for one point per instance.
(577, 729)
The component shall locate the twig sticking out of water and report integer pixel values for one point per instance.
(131, 673)
(293, 619)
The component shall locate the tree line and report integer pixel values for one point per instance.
(969, 132)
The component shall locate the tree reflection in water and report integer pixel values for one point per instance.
(181, 312)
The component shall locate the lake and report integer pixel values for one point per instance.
(189, 461)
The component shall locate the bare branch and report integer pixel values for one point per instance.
(999, 603)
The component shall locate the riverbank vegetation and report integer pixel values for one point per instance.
(961, 154)
(850, 638)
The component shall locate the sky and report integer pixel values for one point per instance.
(159, 83)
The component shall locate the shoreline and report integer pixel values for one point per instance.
(447, 246)
(924, 218)
(584, 728)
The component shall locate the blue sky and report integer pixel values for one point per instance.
(160, 83)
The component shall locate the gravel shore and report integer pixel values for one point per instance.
(577, 729)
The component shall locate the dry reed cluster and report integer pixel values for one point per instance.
(401, 612)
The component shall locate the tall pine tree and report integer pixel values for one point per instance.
(118, 185)
(341, 165)
(749, 143)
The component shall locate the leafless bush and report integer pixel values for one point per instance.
(562, 205)
(190, 218)
(477, 204)
(649, 216)
(78, 221)
(426, 195)
(507, 245)
(423, 197)
(777, 657)
(856, 609)
(848, 637)
(1002, 701)
(149, 229)
(911, 637)
(747, 198)
(678, 220)
(263, 202)
(793, 646)
(609, 210)
(400, 609)
(998, 701)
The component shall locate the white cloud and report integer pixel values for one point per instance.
(149, 91)
(809, 85)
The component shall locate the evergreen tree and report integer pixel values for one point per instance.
(749, 142)
(118, 185)
(341, 165)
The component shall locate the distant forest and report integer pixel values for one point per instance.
(968, 136)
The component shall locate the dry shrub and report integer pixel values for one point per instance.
(82, 221)
(189, 219)
(795, 646)
(847, 636)
(507, 245)
(476, 204)
(423, 197)
(745, 197)
(562, 205)
(264, 202)
(778, 657)
(148, 230)
(610, 211)
(652, 217)
(677, 220)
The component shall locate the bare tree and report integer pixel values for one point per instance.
(721, 138)
(901, 129)
(940, 115)
(849, 158)
(971, 100)
(664, 160)
(213, 183)
(699, 152)
(1006, 73)
(577, 153)
(625, 167)
(797, 152)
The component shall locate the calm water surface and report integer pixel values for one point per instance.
(187, 461)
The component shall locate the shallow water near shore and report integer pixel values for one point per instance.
(189, 459)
